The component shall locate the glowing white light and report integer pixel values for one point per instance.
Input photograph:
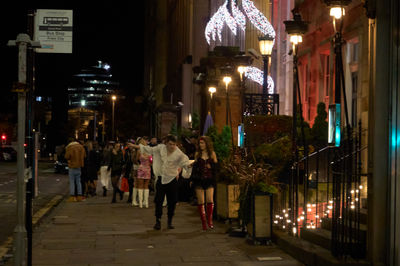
(257, 75)
(294, 230)
(257, 18)
(237, 18)
(296, 39)
(337, 12)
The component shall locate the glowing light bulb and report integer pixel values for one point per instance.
(337, 12)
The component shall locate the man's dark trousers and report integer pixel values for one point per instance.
(171, 190)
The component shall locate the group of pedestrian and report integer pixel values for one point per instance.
(143, 160)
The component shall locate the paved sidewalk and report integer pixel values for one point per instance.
(97, 233)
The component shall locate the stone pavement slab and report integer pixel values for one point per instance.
(96, 233)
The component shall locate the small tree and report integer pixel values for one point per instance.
(222, 142)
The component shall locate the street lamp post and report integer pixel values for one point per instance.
(113, 98)
(211, 90)
(266, 43)
(227, 80)
(295, 28)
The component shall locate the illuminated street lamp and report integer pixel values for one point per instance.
(227, 80)
(266, 43)
(295, 28)
(241, 70)
(212, 90)
(334, 135)
(113, 98)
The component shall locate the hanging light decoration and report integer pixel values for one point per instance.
(257, 75)
(237, 18)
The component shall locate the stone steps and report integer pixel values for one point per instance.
(310, 253)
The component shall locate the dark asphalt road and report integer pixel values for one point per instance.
(49, 185)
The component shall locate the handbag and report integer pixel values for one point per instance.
(124, 186)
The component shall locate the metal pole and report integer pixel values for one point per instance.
(112, 122)
(265, 82)
(20, 230)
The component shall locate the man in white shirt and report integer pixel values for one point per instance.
(167, 159)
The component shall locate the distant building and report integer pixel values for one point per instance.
(89, 94)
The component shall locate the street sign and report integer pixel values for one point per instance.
(53, 28)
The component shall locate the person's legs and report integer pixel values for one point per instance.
(200, 206)
(135, 193)
(210, 206)
(172, 199)
(140, 191)
(146, 192)
(71, 175)
(130, 183)
(158, 200)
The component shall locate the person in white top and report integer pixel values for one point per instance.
(167, 159)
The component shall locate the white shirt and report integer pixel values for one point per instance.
(167, 165)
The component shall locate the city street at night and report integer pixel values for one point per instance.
(200, 132)
(98, 233)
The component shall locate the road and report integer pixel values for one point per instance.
(49, 186)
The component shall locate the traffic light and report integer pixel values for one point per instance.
(3, 139)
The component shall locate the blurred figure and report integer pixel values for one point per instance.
(153, 142)
(92, 168)
(143, 175)
(75, 155)
(105, 174)
(116, 166)
(130, 158)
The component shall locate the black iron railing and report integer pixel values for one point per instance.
(324, 191)
(261, 104)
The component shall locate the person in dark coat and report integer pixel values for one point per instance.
(116, 166)
(92, 167)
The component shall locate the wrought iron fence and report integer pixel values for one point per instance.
(261, 104)
(324, 191)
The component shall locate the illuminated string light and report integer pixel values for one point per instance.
(257, 75)
(258, 19)
(237, 18)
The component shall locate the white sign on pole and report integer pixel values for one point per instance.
(53, 28)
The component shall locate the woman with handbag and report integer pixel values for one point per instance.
(116, 166)
(203, 180)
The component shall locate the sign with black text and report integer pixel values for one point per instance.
(53, 28)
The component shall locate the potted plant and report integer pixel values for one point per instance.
(257, 185)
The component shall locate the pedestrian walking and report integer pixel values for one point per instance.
(75, 155)
(130, 159)
(105, 174)
(116, 166)
(171, 159)
(203, 178)
(92, 168)
(143, 175)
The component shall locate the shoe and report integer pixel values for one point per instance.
(134, 196)
(146, 198)
(170, 226)
(140, 193)
(157, 226)
(202, 213)
(210, 209)
(71, 199)
(81, 198)
(113, 200)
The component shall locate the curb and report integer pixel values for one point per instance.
(6, 246)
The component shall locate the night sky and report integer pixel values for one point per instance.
(101, 31)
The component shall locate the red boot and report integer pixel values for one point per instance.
(202, 213)
(210, 209)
